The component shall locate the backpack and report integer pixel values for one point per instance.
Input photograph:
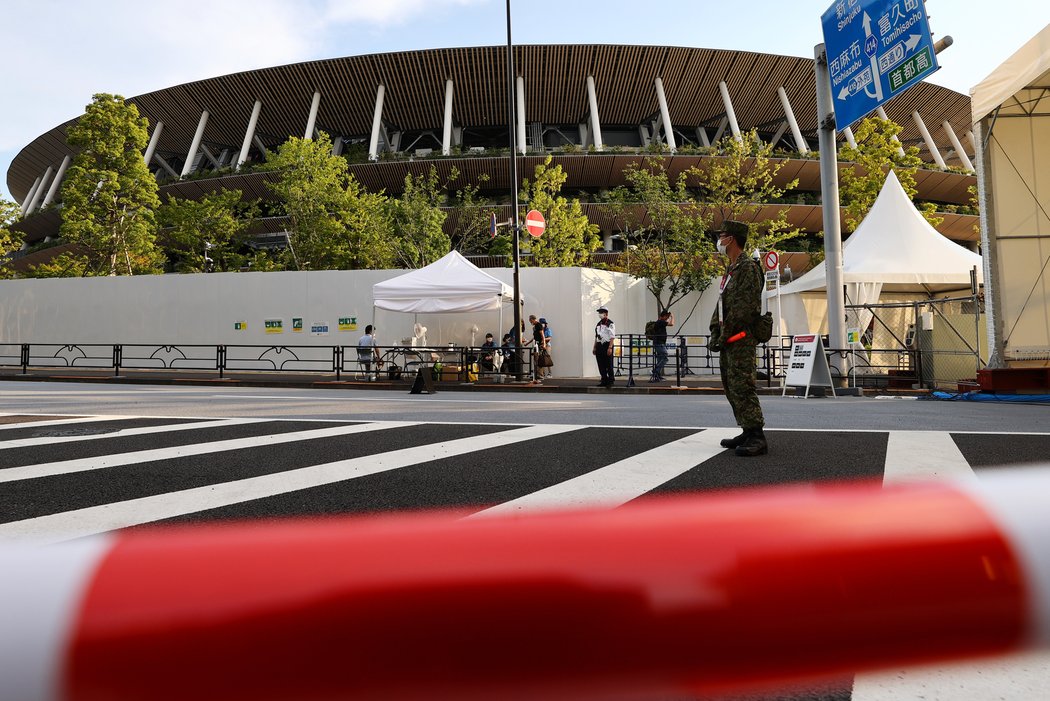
(650, 330)
(762, 327)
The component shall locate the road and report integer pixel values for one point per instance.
(78, 459)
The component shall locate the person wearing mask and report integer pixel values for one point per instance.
(604, 343)
(659, 339)
(488, 351)
(368, 352)
(739, 304)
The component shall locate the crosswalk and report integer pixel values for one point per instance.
(65, 477)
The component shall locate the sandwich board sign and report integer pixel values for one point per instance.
(808, 365)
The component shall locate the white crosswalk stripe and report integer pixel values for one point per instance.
(124, 433)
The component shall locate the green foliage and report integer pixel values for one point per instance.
(418, 220)
(665, 230)
(10, 240)
(108, 194)
(876, 154)
(218, 222)
(333, 222)
(471, 232)
(569, 237)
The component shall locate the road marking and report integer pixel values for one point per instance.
(924, 455)
(98, 519)
(398, 399)
(620, 482)
(66, 467)
(126, 432)
(60, 422)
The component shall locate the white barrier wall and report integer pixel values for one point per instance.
(233, 308)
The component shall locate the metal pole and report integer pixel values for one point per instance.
(829, 185)
(514, 194)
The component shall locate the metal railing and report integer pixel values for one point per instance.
(690, 354)
(396, 363)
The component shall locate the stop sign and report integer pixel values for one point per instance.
(535, 223)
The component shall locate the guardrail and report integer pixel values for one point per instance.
(396, 363)
(689, 354)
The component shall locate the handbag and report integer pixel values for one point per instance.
(762, 328)
(544, 359)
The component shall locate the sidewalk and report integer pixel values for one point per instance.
(705, 384)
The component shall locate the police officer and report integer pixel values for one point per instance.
(604, 342)
(739, 304)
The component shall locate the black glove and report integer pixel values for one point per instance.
(715, 343)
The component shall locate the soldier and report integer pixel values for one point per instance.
(604, 342)
(739, 304)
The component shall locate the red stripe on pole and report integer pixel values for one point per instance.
(699, 594)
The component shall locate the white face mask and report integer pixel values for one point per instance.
(722, 248)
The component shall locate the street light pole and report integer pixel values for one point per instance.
(514, 194)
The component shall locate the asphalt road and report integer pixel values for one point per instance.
(77, 459)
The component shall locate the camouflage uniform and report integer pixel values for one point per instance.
(741, 304)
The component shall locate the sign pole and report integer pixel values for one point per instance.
(518, 375)
(829, 186)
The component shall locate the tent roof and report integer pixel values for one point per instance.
(1029, 67)
(451, 284)
(896, 246)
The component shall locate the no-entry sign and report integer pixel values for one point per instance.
(534, 223)
(771, 260)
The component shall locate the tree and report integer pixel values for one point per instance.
(311, 184)
(10, 240)
(472, 219)
(876, 154)
(109, 195)
(740, 183)
(214, 228)
(664, 227)
(569, 238)
(333, 222)
(419, 220)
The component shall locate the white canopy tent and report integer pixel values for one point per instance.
(894, 250)
(1011, 116)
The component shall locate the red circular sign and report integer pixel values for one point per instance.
(772, 260)
(535, 223)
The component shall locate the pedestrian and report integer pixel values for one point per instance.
(539, 344)
(659, 339)
(548, 336)
(604, 343)
(739, 305)
(488, 352)
(367, 352)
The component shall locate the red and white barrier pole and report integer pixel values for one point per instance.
(697, 594)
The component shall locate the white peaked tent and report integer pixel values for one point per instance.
(893, 250)
(451, 284)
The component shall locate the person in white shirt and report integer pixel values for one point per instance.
(367, 352)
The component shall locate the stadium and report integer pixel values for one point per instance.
(593, 108)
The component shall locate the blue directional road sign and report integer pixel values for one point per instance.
(876, 50)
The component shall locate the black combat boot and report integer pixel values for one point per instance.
(735, 440)
(754, 445)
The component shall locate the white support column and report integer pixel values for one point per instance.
(249, 134)
(930, 144)
(29, 198)
(957, 145)
(377, 122)
(882, 115)
(337, 146)
(53, 190)
(850, 139)
(44, 179)
(582, 126)
(730, 113)
(311, 121)
(796, 133)
(779, 133)
(260, 145)
(521, 114)
(596, 124)
(164, 164)
(446, 135)
(148, 155)
(972, 142)
(721, 130)
(701, 134)
(195, 145)
(665, 115)
(210, 156)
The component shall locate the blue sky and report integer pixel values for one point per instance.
(60, 52)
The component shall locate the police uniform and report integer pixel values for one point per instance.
(604, 337)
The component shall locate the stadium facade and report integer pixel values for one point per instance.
(594, 108)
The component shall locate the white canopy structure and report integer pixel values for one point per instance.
(451, 284)
(1011, 116)
(893, 250)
